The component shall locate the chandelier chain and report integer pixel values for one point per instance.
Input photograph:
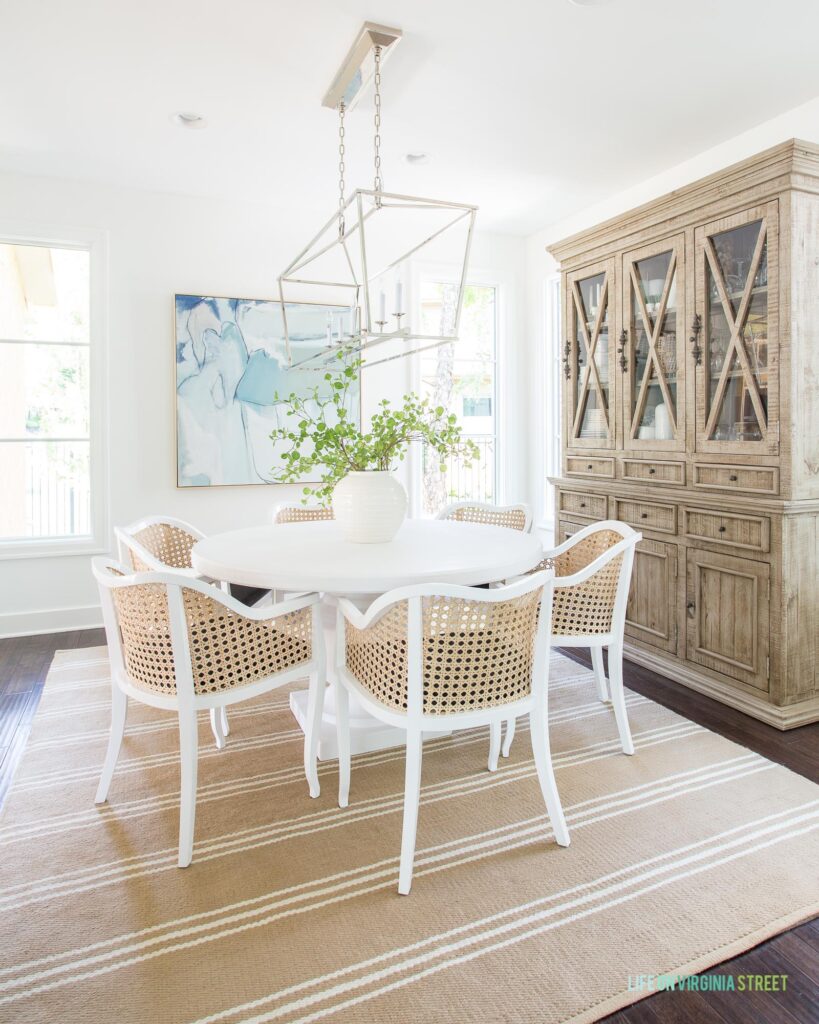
(341, 170)
(378, 184)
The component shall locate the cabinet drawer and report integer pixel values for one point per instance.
(593, 506)
(750, 532)
(647, 515)
(654, 471)
(759, 479)
(578, 465)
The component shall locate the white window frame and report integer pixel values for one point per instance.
(95, 242)
(549, 410)
(449, 273)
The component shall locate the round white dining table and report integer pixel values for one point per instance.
(314, 557)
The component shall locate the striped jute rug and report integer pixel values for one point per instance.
(683, 855)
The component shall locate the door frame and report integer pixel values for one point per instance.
(607, 267)
(768, 213)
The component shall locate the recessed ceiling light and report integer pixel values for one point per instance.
(186, 119)
(416, 158)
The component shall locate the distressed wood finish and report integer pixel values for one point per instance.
(725, 597)
(654, 471)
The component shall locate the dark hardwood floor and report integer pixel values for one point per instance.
(24, 662)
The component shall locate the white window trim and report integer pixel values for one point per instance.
(450, 273)
(547, 404)
(96, 243)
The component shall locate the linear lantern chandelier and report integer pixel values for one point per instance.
(359, 262)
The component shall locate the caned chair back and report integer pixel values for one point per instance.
(448, 650)
(157, 543)
(513, 517)
(592, 577)
(162, 628)
(301, 514)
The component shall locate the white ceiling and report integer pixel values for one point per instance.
(531, 108)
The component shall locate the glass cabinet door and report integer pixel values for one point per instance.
(650, 355)
(588, 356)
(734, 336)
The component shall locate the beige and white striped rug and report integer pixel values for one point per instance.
(683, 855)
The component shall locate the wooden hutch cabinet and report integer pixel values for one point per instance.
(691, 412)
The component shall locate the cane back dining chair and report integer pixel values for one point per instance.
(436, 657)
(301, 514)
(164, 544)
(592, 579)
(513, 517)
(185, 646)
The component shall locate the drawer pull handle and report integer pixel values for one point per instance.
(733, 478)
(644, 515)
(590, 466)
(691, 608)
(722, 529)
(652, 471)
(582, 504)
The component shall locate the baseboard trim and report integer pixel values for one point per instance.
(50, 620)
(789, 716)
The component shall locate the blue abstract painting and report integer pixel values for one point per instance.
(231, 361)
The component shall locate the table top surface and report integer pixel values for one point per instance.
(313, 556)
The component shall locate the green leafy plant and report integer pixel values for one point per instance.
(323, 438)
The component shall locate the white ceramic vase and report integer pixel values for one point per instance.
(369, 507)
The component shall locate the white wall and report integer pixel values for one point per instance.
(801, 122)
(161, 244)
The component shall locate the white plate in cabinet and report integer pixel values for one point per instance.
(646, 515)
(579, 465)
(654, 471)
(759, 479)
(592, 506)
(752, 533)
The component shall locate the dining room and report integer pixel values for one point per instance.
(409, 520)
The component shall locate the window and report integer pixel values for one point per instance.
(462, 378)
(553, 388)
(45, 393)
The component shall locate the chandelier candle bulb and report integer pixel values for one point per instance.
(382, 315)
(399, 296)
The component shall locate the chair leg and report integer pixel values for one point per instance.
(119, 712)
(494, 744)
(599, 673)
(188, 759)
(412, 797)
(539, 728)
(225, 723)
(618, 698)
(343, 740)
(217, 727)
(510, 735)
(315, 710)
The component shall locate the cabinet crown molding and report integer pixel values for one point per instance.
(791, 165)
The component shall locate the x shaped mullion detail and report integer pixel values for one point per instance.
(736, 324)
(653, 335)
(590, 345)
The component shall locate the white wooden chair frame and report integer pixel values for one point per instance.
(127, 542)
(415, 722)
(613, 640)
(446, 513)
(186, 702)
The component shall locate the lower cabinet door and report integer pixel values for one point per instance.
(727, 621)
(651, 614)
